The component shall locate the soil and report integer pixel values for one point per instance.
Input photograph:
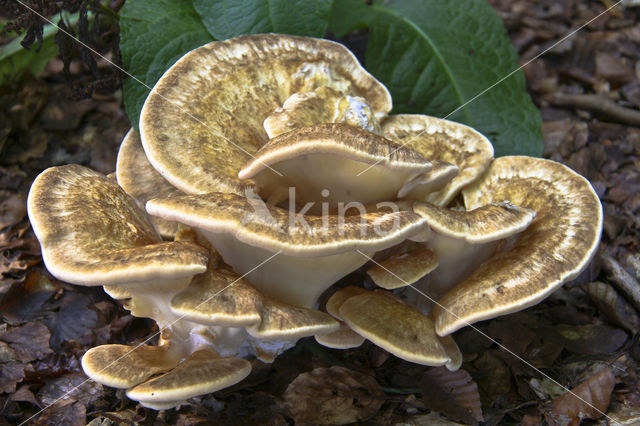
(585, 336)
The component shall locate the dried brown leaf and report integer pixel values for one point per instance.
(16, 255)
(10, 374)
(73, 386)
(621, 279)
(24, 302)
(11, 264)
(531, 420)
(525, 335)
(588, 400)
(493, 375)
(74, 321)
(61, 114)
(13, 208)
(613, 305)
(6, 353)
(591, 338)
(101, 421)
(29, 341)
(431, 419)
(452, 393)
(545, 388)
(64, 412)
(333, 395)
(23, 394)
(124, 417)
(631, 261)
(562, 137)
(516, 332)
(189, 419)
(626, 416)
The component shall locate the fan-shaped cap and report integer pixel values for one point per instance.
(117, 292)
(201, 373)
(462, 240)
(324, 105)
(339, 297)
(271, 228)
(425, 183)
(204, 118)
(140, 180)
(403, 269)
(335, 139)
(396, 327)
(221, 297)
(121, 366)
(343, 338)
(93, 233)
(283, 321)
(483, 224)
(443, 140)
(324, 162)
(553, 249)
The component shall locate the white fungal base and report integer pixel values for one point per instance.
(186, 337)
(298, 281)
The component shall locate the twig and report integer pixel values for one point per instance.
(621, 279)
(400, 391)
(599, 105)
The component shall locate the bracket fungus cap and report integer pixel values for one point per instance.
(323, 105)
(339, 139)
(192, 142)
(483, 224)
(554, 248)
(396, 327)
(343, 338)
(139, 179)
(407, 268)
(122, 366)
(446, 141)
(93, 233)
(309, 256)
(457, 242)
(200, 373)
(222, 297)
(273, 230)
(337, 163)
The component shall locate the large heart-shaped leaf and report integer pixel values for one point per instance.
(449, 59)
(231, 18)
(153, 36)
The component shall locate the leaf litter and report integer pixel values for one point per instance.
(589, 400)
(452, 393)
(334, 395)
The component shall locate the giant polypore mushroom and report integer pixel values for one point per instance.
(279, 153)
(92, 233)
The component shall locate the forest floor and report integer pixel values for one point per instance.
(584, 337)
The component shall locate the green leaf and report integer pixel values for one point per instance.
(439, 55)
(15, 59)
(156, 34)
(153, 36)
(231, 18)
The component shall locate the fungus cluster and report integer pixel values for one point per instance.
(266, 169)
